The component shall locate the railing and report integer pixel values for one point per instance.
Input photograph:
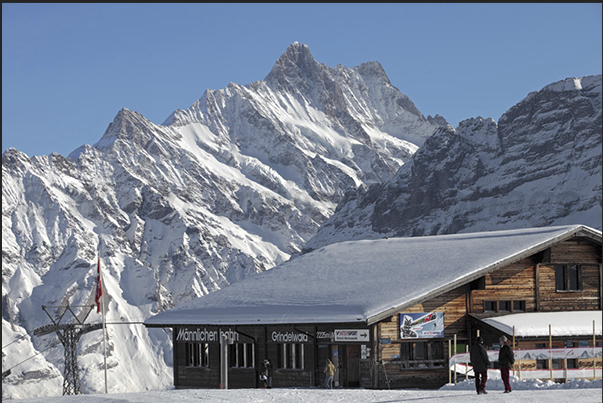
(587, 359)
(419, 364)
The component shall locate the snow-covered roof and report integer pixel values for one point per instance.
(536, 324)
(365, 281)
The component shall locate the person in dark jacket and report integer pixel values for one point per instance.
(506, 358)
(266, 375)
(479, 362)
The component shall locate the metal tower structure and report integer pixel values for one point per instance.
(69, 334)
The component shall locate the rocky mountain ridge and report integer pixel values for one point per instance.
(539, 166)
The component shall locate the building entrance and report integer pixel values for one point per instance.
(346, 358)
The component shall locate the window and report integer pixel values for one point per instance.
(519, 306)
(197, 355)
(541, 363)
(290, 356)
(490, 306)
(572, 363)
(422, 354)
(568, 277)
(504, 306)
(242, 355)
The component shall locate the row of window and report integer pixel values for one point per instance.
(413, 354)
(422, 354)
(426, 354)
(568, 277)
(505, 306)
(242, 355)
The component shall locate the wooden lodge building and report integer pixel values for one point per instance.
(386, 311)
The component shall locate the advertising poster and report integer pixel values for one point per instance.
(421, 325)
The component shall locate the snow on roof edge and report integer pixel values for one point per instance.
(572, 231)
(386, 306)
(562, 323)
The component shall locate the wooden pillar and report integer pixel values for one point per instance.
(536, 287)
(467, 364)
(455, 363)
(513, 344)
(449, 357)
(550, 348)
(594, 356)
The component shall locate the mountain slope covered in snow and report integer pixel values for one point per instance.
(539, 166)
(228, 188)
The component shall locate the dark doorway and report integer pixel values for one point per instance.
(352, 365)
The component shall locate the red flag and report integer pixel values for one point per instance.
(99, 289)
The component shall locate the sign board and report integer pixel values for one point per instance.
(364, 352)
(206, 335)
(288, 337)
(385, 340)
(324, 335)
(421, 325)
(351, 335)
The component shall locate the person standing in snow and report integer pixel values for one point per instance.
(506, 358)
(266, 375)
(479, 362)
(330, 373)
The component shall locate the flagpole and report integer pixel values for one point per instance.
(104, 324)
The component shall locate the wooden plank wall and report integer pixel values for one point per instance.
(452, 303)
(587, 299)
(515, 282)
(572, 252)
(575, 251)
(512, 283)
(454, 306)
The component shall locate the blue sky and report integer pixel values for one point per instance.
(67, 69)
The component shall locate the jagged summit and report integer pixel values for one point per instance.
(372, 68)
(131, 128)
(296, 68)
(296, 53)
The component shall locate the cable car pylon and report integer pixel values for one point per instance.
(69, 334)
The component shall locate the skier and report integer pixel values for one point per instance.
(480, 362)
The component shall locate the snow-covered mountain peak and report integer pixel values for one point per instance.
(372, 69)
(295, 62)
(130, 129)
(569, 84)
(568, 103)
(13, 157)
